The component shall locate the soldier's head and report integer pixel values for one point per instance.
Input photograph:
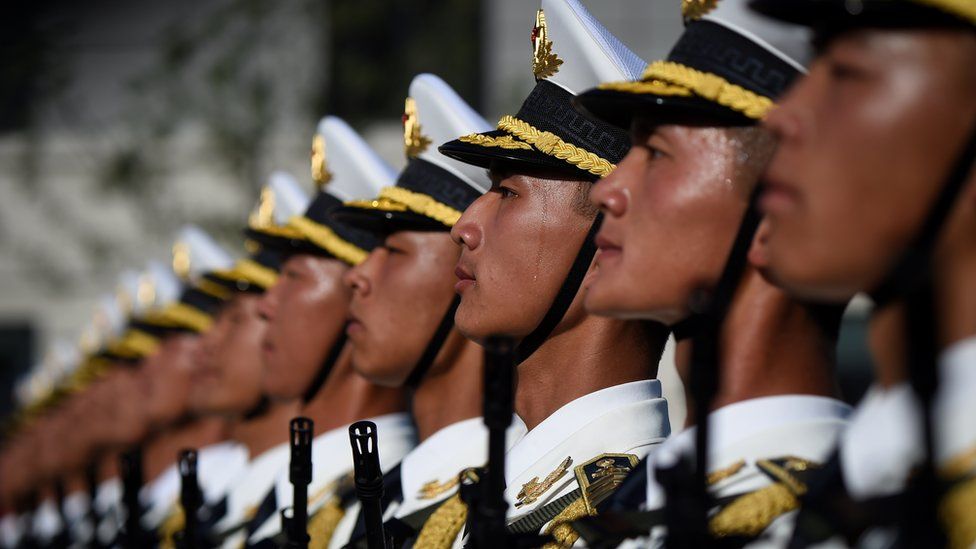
(307, 307)
(232, 369)
(403, 293)
(521, 242)
(867, 141)
(674, 205)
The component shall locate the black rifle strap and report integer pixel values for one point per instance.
(434, 345)
(565, 296)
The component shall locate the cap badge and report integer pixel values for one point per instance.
(263, 214)
(320, 167)
(695, 9)
(414, 142)
(544, 62)
(181, 260)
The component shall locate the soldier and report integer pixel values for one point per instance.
(313, 364)
(871, 190)
(231, 381)
(673, 208)
(170, 373)
(402, 313)
(526, 253)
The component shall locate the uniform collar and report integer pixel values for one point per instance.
(733, 424)
(219, 465)
(109, 493)
(565, 421)
(442, 456)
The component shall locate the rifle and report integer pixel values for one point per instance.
(489, 508)
(369, 480)
(131, 468)
(300, 476)
(190, 499)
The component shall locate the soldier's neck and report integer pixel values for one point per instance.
(347, 397)
(261, 433)
(108, 466)
(590, 354)
(163, 449)
(451, 390)
(770, 346)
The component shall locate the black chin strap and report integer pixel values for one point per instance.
(688, 523)
(319, 380)
(911, 281)
(565, 296)
(434, 345)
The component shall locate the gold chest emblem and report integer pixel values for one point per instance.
(533, 489)
(695, 9)
(545, 63)
(414, 142)
(320, 166)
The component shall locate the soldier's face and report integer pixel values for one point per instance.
(400, 294)
(865, 140)
(123, 406)
(518, 242)
(306, 312)
(231, 368)
(671, 211)
(168, 373)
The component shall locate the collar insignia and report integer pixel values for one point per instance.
(545, 63)
(533, 489)
(434, 488)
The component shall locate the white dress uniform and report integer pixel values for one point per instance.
(748, 440)
(47, 521)
(429, 474)
(76, 507)
(108, 506)
(12, 528)
(248, 489)
(217, 466)
(332, 464)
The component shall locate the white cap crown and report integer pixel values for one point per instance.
(346, 167)
(195, 253)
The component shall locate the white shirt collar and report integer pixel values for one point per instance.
(736, 422)
(445, 454)
(109, 494)
(565, 421)
(218, 465)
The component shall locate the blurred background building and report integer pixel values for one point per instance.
(121, 120)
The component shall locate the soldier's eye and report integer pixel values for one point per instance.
(505, 192)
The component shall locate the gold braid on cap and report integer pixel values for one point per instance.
(398, 199)
(502, 141)
(960, 8)
(551, 144)
(250, 271)
(328, 240)
(180, 315)
(674, 79)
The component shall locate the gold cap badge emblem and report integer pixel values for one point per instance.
(320, 167)
(181, 260)
(545, 63)
(414, 142)
(263, 214)
(695, 9)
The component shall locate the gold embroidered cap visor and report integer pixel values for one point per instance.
(425, 198)
(838, 15)
(546, 134)
(317, 233)
(697, 85)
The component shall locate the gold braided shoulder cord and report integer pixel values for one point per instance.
(956, 513)
(443, 527)
(422, 204)
(323, 524)
(503, 142)
(175, 522)
(326, 238)
(561, 529)
(551, 144)
(752, 513)
(711, 87)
